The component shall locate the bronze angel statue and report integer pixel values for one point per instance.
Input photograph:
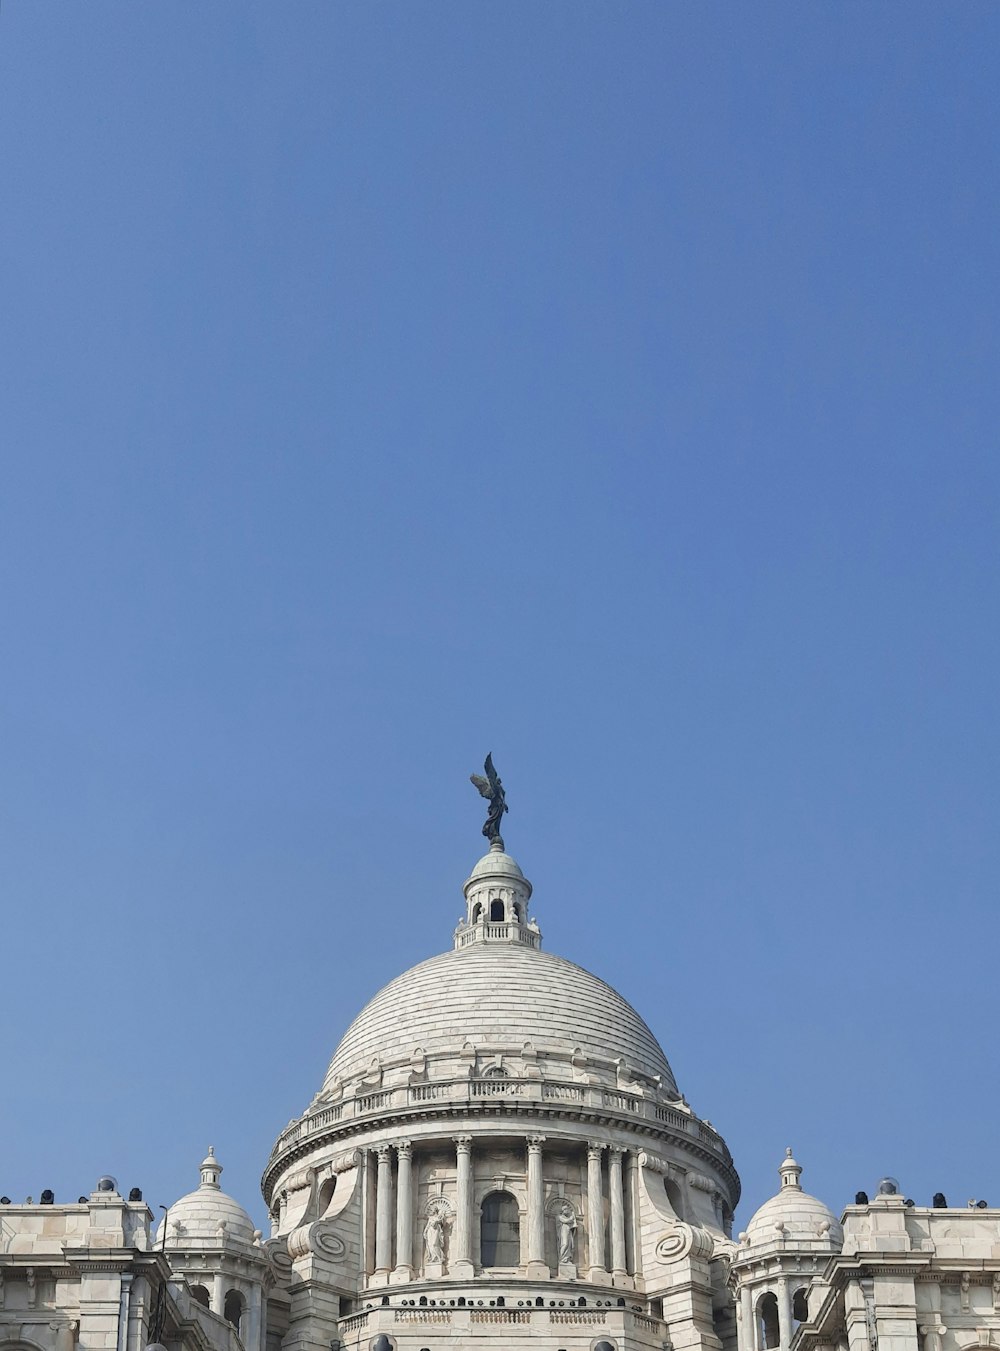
(491, 788)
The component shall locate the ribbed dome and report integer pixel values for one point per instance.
(206, 1217)
(498, 997)
(801, 1215)
(497, 863)
(793, 1216)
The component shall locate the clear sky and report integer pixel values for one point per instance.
(610, 386)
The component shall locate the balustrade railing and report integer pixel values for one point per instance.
(374, 1102)
(647, 1323)
(486, 1087)
(562, 1092)
(623, 1101)
(487, 931)
(500, 1316)
(353, 1321)
(495, 1088)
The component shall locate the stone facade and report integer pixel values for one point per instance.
(498, 1157)
(86, 1275)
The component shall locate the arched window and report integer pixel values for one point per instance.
(495, 1072)
(768, 1334)
(233, 1308)
(477, 912)
(674, 1197)
(500, 1231)
(800, 1306)
(201, 1295)
(497, 912)
(326, 1195)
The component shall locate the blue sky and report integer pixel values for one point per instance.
(612, 387)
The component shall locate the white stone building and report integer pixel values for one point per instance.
(498, 1157)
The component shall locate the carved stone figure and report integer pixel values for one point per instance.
(566, 1232)
(434, 1237)
(491, 788)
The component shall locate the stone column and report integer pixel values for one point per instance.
(383, 1212)
(252, 1339)
(618, 1270)
(536, 1209)
(632, 1259)
(404, 1212)
(856, 1317)
(747, 1331)
(595, 1211)
(460, 1256)
(219, 1294)
(784, 1313)
(126, 1287)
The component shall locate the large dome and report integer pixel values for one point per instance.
(498, 997)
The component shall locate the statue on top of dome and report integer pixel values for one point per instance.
(491, 788)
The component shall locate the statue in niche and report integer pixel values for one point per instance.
(566, 1233)
(434, 1235)
(491, 788)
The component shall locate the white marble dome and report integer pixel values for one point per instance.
(206, 1217)
(498, 997)
(496, 862)
(793, 1216)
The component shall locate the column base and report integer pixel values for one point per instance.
(623, 1280)
(599, 1276)
(538, 1271)
(400, 1275)
(380, 1277)
(462, 1270)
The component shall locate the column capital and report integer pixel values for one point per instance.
(595, 1148)
(404, 1148)
(616, 1152)
(535, 1143)
(463, 1143)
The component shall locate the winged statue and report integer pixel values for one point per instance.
(491, 788)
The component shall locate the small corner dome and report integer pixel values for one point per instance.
(794, 1215)
(206, 1217)
(496, 863)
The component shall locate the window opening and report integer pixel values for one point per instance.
(500, 1231)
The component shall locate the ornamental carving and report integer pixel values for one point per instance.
(342, 1162)
(683, 1240)
(703, 1183)
(675, 1244)
(320, 1238)
(277, 1250)
(324, 1239)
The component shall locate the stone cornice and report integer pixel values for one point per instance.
(459, 1115)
